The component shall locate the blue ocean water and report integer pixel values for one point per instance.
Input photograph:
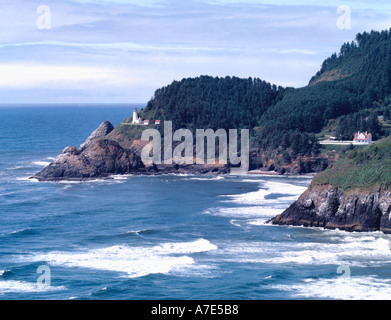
(162, 237)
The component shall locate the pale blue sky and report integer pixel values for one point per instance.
(122, 50)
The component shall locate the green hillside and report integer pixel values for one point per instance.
(348, 94)
(367, 168)
(212, 102)
(354, 82)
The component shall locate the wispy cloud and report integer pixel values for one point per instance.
(121, 46)
(33, 75)
(125, 49)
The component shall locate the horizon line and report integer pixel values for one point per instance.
(48, 104)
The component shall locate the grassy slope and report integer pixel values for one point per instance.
(125, 134)
(367, 168)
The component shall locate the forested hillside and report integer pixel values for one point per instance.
(351, 87)
(211, 102)
(351, 90)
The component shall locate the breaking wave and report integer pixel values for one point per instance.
(133, 261)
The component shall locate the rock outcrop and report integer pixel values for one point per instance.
(332, 208)
(101, 157)
(354, 194)
(103, 130)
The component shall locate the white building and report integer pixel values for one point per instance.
(136, 118)
(362, 138)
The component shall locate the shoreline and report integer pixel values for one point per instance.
(273, 173)
(190, 173)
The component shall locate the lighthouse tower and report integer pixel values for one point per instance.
(136, 118)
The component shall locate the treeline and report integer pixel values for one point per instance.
(385, 107)
(362, 73)
(345, 88)
(366, 63)
(289, 144)
(212, 102)
(360, 121)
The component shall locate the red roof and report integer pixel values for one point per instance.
(362, 136)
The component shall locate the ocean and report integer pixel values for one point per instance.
(183, 237)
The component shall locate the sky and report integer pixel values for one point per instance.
(121, 51)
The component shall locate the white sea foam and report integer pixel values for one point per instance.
(122, 176)
(17, 167)
(354, 288)
(21, 231)
(241, 252)
(257, 222)
(41, 163)
(345, 249)
(207, 178)
(242, 248)
(288, 193)
(349, 250)
(173, 175)
(12, 286)
(200, 245)
(252, 181)
(261, 177)
(67, 182)
(256, 205)
(133, 261)
(244, 212)
(112, 180)
(27, 179)
(235, 223)
(250, 198)
(137, 232)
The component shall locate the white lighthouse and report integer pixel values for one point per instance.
(136, 118)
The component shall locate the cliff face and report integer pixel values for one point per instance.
(353, 194)
(330, 207)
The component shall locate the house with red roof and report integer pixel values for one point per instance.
(362, 138)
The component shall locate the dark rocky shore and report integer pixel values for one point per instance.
(354, 194)
(332, 208)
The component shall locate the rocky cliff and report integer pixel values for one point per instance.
(109, 151)
(333, 208)
(95, 158)
(354, 194)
